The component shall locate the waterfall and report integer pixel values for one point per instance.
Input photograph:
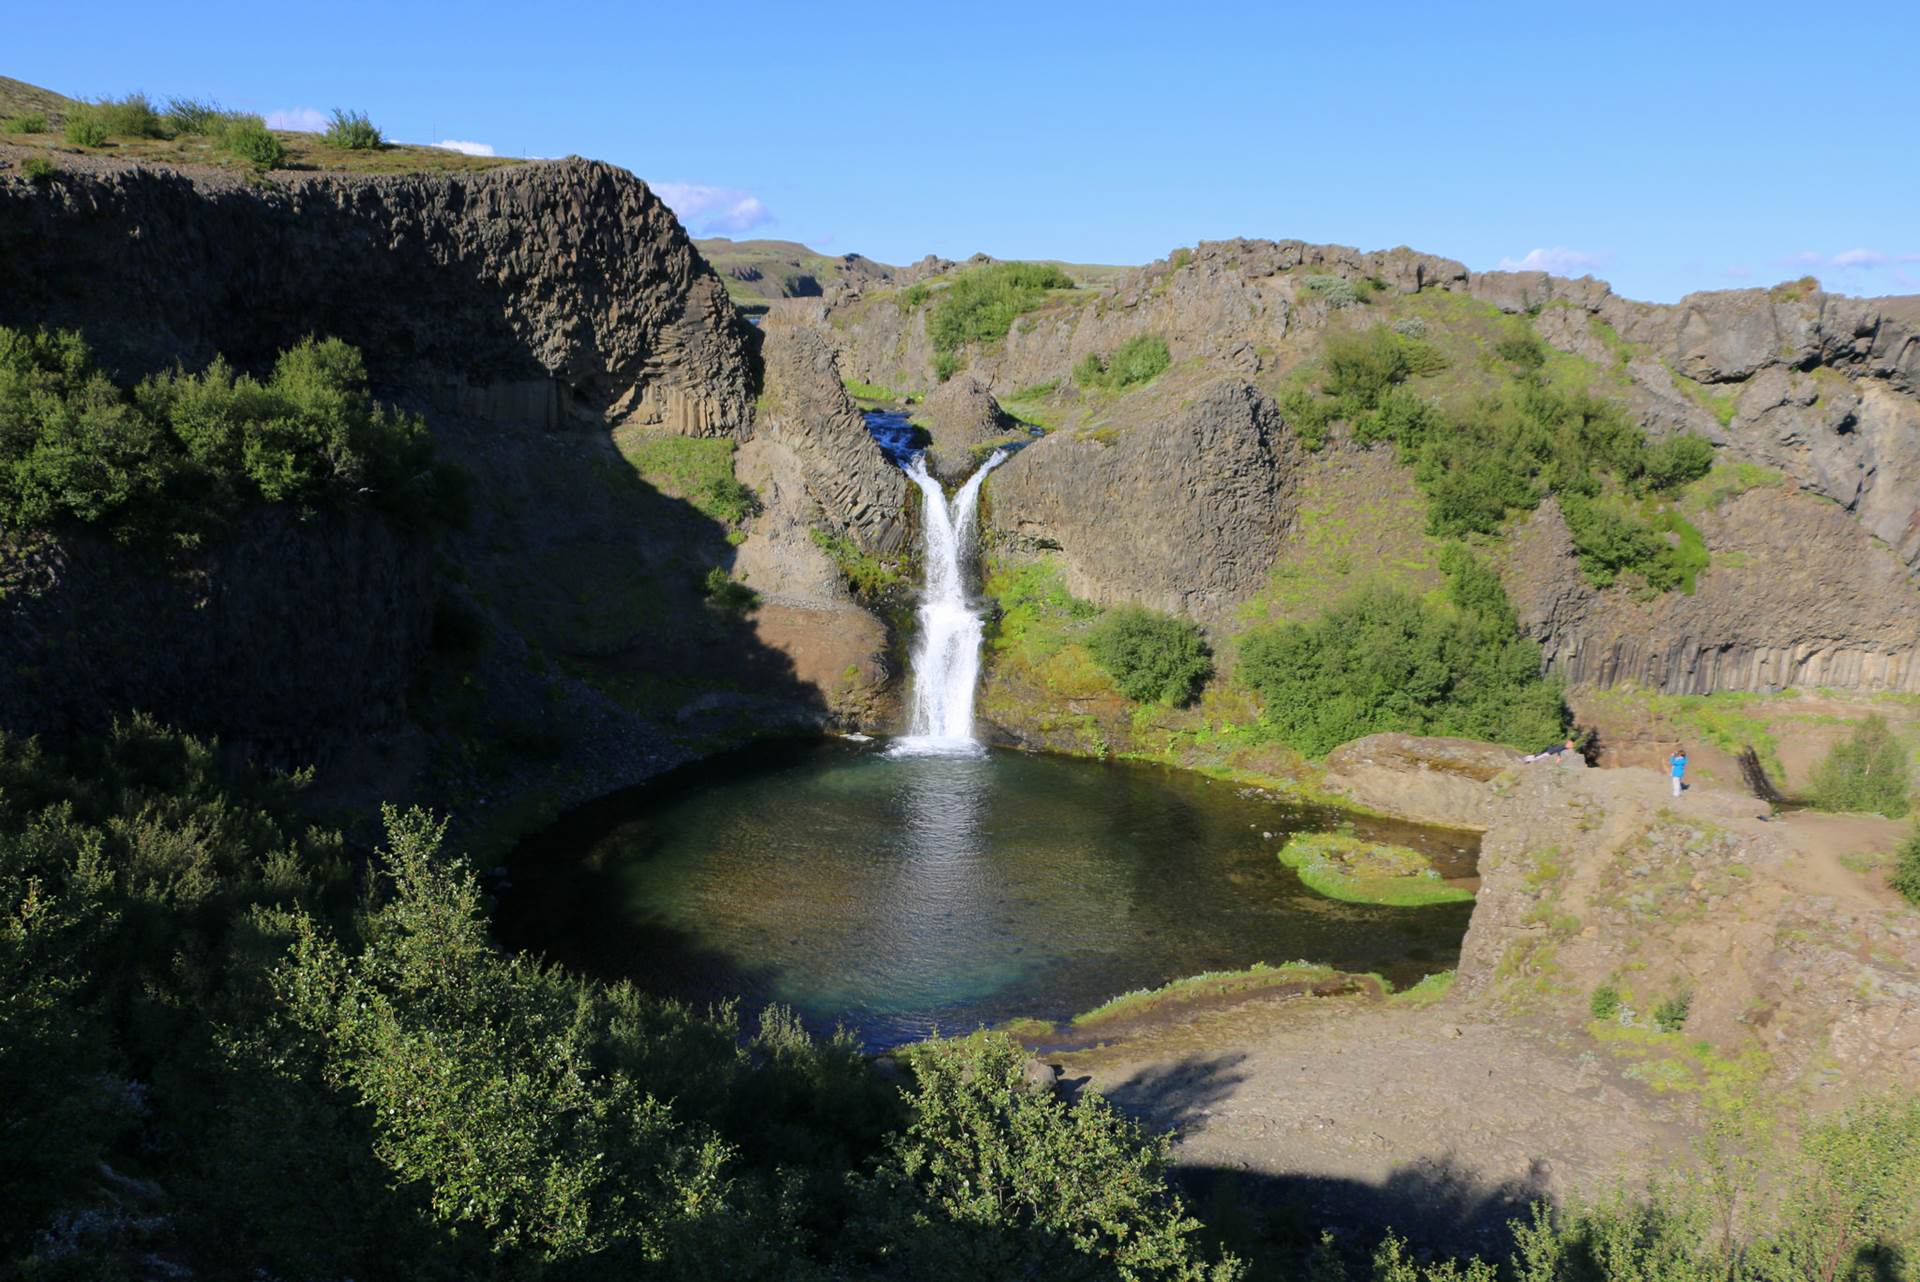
(946, 658)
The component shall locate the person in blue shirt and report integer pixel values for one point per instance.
(1678, 763)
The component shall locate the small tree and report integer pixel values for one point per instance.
(1868, 772)
(1906, 867)
(1153, 657)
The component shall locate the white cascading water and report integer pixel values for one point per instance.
(946, 659)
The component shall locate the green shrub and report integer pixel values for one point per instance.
(1906, 867)
(83, 129)
(1605, 1002)
(192, 116)
(352, 131)
(980, 304)
(726, 594)
(31, 122)
(1337, 290)
(133, 116)
(37, 169)
(1138, 360)
(945, 365)
(183, 452)
(1678, 461)
(1866, 773)
(248, 139)
(1152, 657)
(866, 574)
(1670, 1014)
(1383, 660)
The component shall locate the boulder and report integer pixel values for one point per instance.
(962, 417)
(1429, 778)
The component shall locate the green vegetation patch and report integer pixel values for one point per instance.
(1531, 437)
(1358, 870)
(1905, 878)
(352, 131)
(1384, 660)
(698, 469)
(1867, 773)
(180, 453)
(980, 305)
(1135, 362)
(866, 574)
(1214, 983)
(1152, 657)
(1729, 480)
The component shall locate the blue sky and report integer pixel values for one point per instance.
(1664, 148)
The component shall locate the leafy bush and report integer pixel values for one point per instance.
(182, 452)
(352, 131)
(990, 1179)
(83, 129)
(1670, 1013)
(247, 138)
(1138, 360)
(192, 116)
(866, 574)
(1678, 461)
(1337, 290)
(1906, 867)
(1866, 773)
(1605, 1003)
(727, 595)
(31, 122)
(979, 305)
(37, 169)
(1152, 657)
(1384, 660)
(945, 365)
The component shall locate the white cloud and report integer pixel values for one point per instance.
(1859, 258)
(304, 120)
(1560, 261)
(714, 209)
(466, 148)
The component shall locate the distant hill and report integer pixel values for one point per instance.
(757, 272)
(18, 98)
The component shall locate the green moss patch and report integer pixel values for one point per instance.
(1214, 984)
(1358, 871)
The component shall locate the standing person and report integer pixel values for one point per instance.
(1678, 763)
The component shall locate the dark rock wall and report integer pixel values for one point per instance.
(528, 291)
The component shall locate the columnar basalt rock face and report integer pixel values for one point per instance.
(223, 641)
(1184, 516)
(807, 411)
(533, 292)
(1797, 595)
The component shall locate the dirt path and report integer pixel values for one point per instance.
(1843, 854)
(1349, 1111)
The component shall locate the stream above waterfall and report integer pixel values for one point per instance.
(900, 895)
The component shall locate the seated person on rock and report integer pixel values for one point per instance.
(1560, 752)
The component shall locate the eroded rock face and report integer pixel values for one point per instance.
(1183, 516)
(1797, 595)
(222, 642)
(807, 411)
(961, 415)
(1433, 779)
(533, 292)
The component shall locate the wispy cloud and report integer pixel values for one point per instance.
(1559, 261)
(1740, 273)
(714, 209)
(1858, 260)
(466, 148)
(304, 120)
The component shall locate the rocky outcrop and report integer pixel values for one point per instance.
(1796, 595)
(530, 293)
(1432, 779)
(807, 413)
(962, 417)
(1183, 516)
(222, 641)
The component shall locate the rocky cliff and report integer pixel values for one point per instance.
(532, 293)
(1822, 390)
(1186, 518)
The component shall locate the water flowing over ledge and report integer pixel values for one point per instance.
(946, 657)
